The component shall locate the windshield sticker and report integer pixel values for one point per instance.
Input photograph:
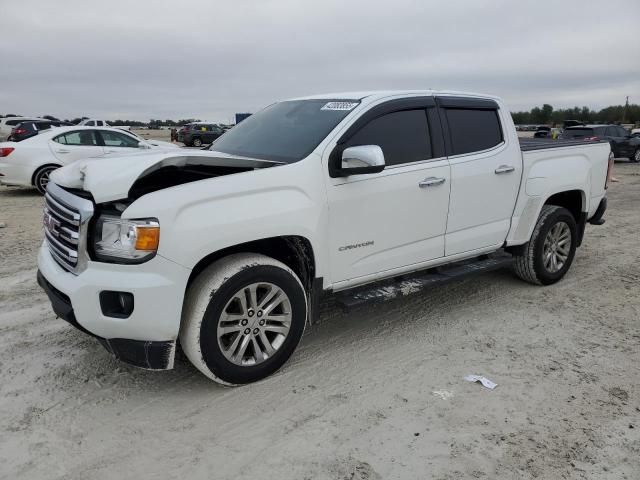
(339, 106)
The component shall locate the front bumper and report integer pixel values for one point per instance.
(147, 338)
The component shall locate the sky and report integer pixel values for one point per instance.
(140, 59)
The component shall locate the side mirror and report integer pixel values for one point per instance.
(361, 160)
(144, 146)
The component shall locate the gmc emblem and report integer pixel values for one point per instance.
(51, 224)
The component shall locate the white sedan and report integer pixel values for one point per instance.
(30, 162)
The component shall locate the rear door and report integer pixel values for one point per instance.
(486, 168)
(388, 220)
(76, 145)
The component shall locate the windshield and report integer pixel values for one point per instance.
(286, 131)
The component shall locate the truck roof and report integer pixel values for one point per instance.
(377, 94)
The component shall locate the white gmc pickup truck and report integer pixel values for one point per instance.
(362, 195)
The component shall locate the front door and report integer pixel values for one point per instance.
(485, 174)
(395, 218)
(116, 142)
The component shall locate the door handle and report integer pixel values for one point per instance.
(504, 169)
(62, 151)
(431, 182)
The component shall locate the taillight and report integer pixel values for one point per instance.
(592, 138)
(19, 131)
(609, 171)
(6, 151)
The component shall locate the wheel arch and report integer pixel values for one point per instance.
(294, 251)
(575, 201)
(37, 170)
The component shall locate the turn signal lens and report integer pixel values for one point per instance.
(147, 238)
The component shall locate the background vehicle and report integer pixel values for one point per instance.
(623, 144)
(572, 123)
(229, 249)
(30, 162)
(28, 129)
(92, 122)
(8, 123)
(200, 133)
(547, 132)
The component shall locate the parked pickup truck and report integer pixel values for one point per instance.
(359, 195)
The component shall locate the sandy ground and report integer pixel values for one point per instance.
(375, 394)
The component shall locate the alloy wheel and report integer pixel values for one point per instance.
(254, 324)
(556, 248)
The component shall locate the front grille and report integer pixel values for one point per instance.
(66, 217)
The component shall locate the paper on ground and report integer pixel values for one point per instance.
(485, 381)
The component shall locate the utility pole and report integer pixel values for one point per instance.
(626, 110)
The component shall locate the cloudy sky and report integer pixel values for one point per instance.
(140, 59)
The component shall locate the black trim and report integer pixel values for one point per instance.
(581, 224)
(597, 217)
(453, 103)
(315, 297)
(465, 102)
(392, 106)
(141, 353)
(152, 355)
(529, 144)
(438, 148)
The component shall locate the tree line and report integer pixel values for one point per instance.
(548, 115)
(153, 123)
(537, 115)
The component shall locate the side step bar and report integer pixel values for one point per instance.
(408, 284)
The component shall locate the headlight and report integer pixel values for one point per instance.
(126, 241)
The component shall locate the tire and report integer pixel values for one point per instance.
(196, 142)
(41, 178)
(212, 305)
(530, 263)
(636, 156)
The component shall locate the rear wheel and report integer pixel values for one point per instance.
(196, 142)
(243, 318)
(546, 258)
(636, 156)
(41, 178)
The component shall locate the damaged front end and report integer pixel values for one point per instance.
(128, 177)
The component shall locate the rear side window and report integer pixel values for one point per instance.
(83, 137)
(578, 132)
(473, 130)
(403, 136)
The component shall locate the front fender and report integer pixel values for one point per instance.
(203, 217)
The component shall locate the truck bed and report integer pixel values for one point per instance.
(528, 144)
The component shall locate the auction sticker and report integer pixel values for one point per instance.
(340, 106)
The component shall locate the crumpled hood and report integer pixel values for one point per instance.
(110, 178)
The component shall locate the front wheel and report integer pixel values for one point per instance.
(243, 318)
(546, 258)
(636, 156)
(41, 179)
(196, 142)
